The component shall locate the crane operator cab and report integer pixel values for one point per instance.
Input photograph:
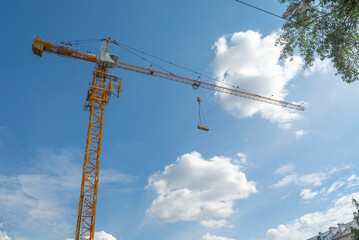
(108, 60)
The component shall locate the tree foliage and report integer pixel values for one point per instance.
(327, 29)
(355, 231)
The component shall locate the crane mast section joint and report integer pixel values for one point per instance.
(112, 86)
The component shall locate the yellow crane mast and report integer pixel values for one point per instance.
(104, 85)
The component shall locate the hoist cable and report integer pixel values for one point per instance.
(77, 42)
(129, 48)
(126, 47)
(142, 58)
(201, 115)
(166, 61)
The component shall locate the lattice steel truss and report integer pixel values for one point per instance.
(103, 86)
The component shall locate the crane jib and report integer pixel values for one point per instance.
(209, 86)
(40, 45)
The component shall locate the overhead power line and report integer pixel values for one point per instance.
(260, 9)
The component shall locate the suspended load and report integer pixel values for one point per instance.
(200, 126)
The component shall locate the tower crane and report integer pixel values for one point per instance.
(102, 86)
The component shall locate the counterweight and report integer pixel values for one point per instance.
(103, 86)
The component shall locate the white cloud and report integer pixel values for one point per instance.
(250, 61)
(341, 210)
(211, 223)
(318, 66)
(312, 179)
(307, 194)
(353, 181)
(103, 236)
(242, 158)
(338, 169)
(41, 201)
(288, 168)
(285, 196)
(335, 186)
(195, 189)
(4, 236)
(208, 236)
(315, 180)
(286, 181)
(99, 236)
(323, 190)
(300, 133)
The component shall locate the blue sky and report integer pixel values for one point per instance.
(261, 172)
